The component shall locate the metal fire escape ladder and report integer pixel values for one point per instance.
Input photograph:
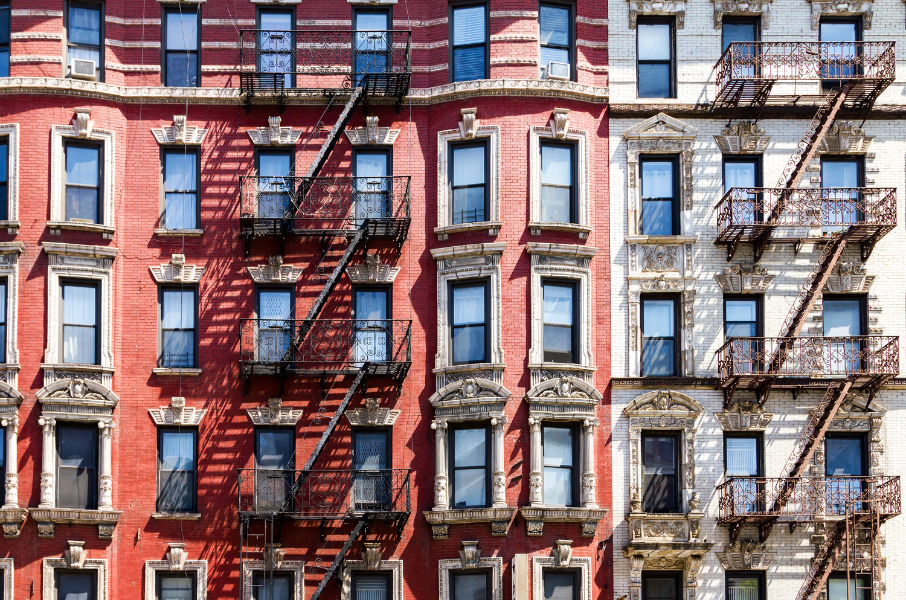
(331, 141)
(823, 563)
(338, 560)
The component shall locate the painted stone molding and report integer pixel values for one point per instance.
(845, 137)
(395, 567)
(372, 415)
(469, 555)
(10, 131)
(494, 565)
(372, 271)
(842, 8)
(177, 414)
(440, 520)
(676, 8)
(745, 554)
(82, 129)
(177, 271)
(9, 271)
(275, 271)
(372, 556)
(274, 134)
(754, 8)
(371, 134)
(536, 517)
(742, 137)
(744, 278)
(562, 553)
(581, 564)
(48, 518)
(50, 566)
(558, 128)
(274, 413)
(294, 567)
(179, 133)
(7, 577)
(176, 560)
(12, 520)
(848, 278)
(76, 555)
(560, 123)
(565, 390)
(744, 416)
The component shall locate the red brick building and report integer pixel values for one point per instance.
(249, 353)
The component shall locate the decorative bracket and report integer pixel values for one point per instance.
(274, 134)
(82, 122)
(468, 127)
(371, 134)
(76, 555)
(177, 271)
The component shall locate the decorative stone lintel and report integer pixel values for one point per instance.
(845, 137)
(274, 134)
(440, 520)
(177, 413)
(372, 415)
(470, 554)
(274, 413)
(744, 278)
(176, 556)
(47, 518)
(744, 416)
(371, 134)
(274, 271)
(753, 8)
(741, 137)
(372, 555)
(560, 122)
(179, 133)
(12, 520)
(177, 271)
(372, 271)
(745, 554)
(657, 7)
(535, 518)
(841, 8)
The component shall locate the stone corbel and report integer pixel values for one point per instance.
(470, 554)
(274, 413)
(560, 123)
(177, 413)
(176, 556)
(82, 122)
(744, 555)
(274, 555)
(274, 134)
(76, 555)
(275, 271)
(468, 127)
(742, 137)
(562, 553)
(744, 278)
(179, 133)
(371, 134)
(372, 271)
(177, 271)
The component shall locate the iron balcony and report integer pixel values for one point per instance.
(747, 71)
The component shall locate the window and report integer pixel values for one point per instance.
(468, 182)
(177, 469)
(370, 586)
(743, 319)
(178, 308)
(655, 58)
(274, 455)
(84, 182)
(277, 48)
(470, 456)
(85, 36)
(371, 53)
(839, 52)
(4, 168)
(743, 33)
(556, 24)
(272, 586)
(859, 587)
(180, 175)
(469, 50)
(4, 38)
(840, 176)
(660, 470)
(561, 458)
(77, 466)
(744, 173)
(371, 459)
(560, 319)
(746, 585)
(844, 320)
(182, 38)
(372, 170)
(371, 311)
(662, 585)
(176, 586)
(470, 585)
(660, 195)
(845, 457)
(273, 167)
(660, 355)
(3, 489)
(743, 458)
(3, 290)
(81, 319)
(558, 183)
(275, 326)
(560, 585)
(469, 322)
(76, 585)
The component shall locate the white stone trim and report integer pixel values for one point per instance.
(756, 8)
(179, 133)
(454, 264)
(495, 565)
(741, 137)
(177, 414)
(7, 577)
(371, 134)
(396, 577)
(274, 413)
(744, 278)
(177, 271)
(558, 129)
(296, 567)
(274, 271)
(199, 567)
(9, 269)
(582, 564)
(9, 436)
(844, 8)
(745, 554)
(744, 416)
(469, 129)
(676, 8)
(274, 134)
(569, 263)
(11, 132)
(58, 221)
(50, 565)
(846, 137)
(372, 415)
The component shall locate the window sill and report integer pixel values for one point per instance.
(176, 516)
(168, 372)
(498, 517)
(48, 518)
(536, 516)
(661, 239)
(106, 230)
(556, 366)
(78, 367)
(12, 520)
(12, 227)
(535, 228)
(178, 232)
(493, 228)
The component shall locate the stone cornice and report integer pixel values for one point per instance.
(703, 111)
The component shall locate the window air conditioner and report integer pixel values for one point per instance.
(557, 70)
(83, 69)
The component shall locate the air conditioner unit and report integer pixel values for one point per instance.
(83, 69)
(557, 70)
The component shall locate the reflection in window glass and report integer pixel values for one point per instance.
(470, 467)
(469, 43)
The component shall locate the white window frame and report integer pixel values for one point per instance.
(7, 577)
(295, 567)
(581, 564)
(9, 270)
(58, 220)
(579, 139)
(446, 567)
(50, 566)
(395, 567)
(11, 132)
(176, 563)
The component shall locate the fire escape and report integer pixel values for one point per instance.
(842, 76)
(346, 214)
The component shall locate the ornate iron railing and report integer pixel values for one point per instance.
(324, 494)
(758, 498)
(276, 62)
(746, 211)
(875, 356)
(326, 344)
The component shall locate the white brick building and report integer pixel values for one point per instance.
(681, 405)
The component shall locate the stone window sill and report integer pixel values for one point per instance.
(176, 516)
(498, 517)
(168, 372)
(536, 516)
(493, 228)
(47, 518)
(107, 230)
(12, 227)
(661, 239)
(78, 367)
(179, 232)
(12, 520)
(535, 228)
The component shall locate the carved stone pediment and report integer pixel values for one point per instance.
(841, 8)
(274, 134)
(274, 413)
(735, 8)
(177, 271)
(848, 278)
(744, 278)
(371, 134)
(275, 271)
(471, 396)
(660, 134)
(372, 415)
(372, 271)
(661, 127)
(745, 554)
(663, 402)
(657, 7)
(177, 413)
(564, 388)
(844, 137)
(744, 416)
(742, 137)
(64, 394)
(179, 133)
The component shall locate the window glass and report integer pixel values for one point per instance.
(469, 323)
(180, 190)
(741, 318)
(660, 588)
(559, 333)
(659, 337)
(4, 175)
(182, 47)
(277, 49)
(559, 586)
(743, 587)
(469, 467)
(655, 60)
(4, 38)
(740, 174)
(559, 450)
(556, 183)
(654, 41)
(272, 586)
(469, 185)
(2, 470)
(82, 183)
(371, 587)
(844, 456)
(178, 328)
(75, 586)
(80, 324)
(842, 318)
(738, 31)
(77, 482)
(371, 449)
(273, 192)
(470, 586)
(372, 170)
(3, 289)
(859, 587)
(658, 197)
(659, 473)
(469, 43)
(555, 36)
(274, 449)
(742, 456)
(371, 42)
(176, 586)
(742, 32)
(177, 471)
(838, 52)
(84, 34)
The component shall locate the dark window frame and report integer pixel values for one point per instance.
(176, 151)
(387, 431)
(99, 146)
(486, 283)
(672, 62)
(160, 439)
(4, 291)
(99, 300)
(855, 20)
(259, 575)
(385, 287)
(379, 573)
(676, 575)
(744, 159)
(386, 9)
(257, 448)
(259, 287)
(454, 573)
(577, 580)
(842, 575)
(280, 151)
(5, 45)
(758, 436)
(676, 200)
(93, 490)
(575, 328)
(575, 470)
(859, 161)
(259, 10)
(760, 575)
(162, 290)
(759, 311)
(6, 196)
(862, 437)
(486, 427)
(677, 486)
(164, 42)
(487, 37)
(474, 143)
(102, 36)
(862, 299)
(159, 576)
(677, 333)
(89, 572)
(755, 20)
(574, 176)
(571, 6)
(827, 84)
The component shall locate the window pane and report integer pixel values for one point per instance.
(177, 450)
(549, 55)
(468, 165)
(654, 41)
(842, 318)
(558, 304)
(837, 174)
(4, 62)
(469, 487)
(370, 587)
(657, 217)
(4, 23)
(182, 69)
(739, 174)
(738, 32)
(558, 486)
(468, 305)
(79, 305)
(4, 161)
(660, 454)
(85, 54)
(468, 26)
(275, 448)
(558, 446)
(275, 305)
(180, 211)
(468, 63)
(555, 204)
(79, 345)
(182, 30)
(559, 586)
(179, 309)
(468, 205)
(556, 165)
(844, 456)
(371, 164)
(742, 457)
(75, 586)
(654, 80)
(84, 25)
(77, 466)
(660, 588)
(558, 339)
(276, 21)
(180, 171)
(741, 310)
(77, 447)
(82, 204)
(836, 588)
(82, 165)
(176, 491)
(469, 344)
(658, 317)
(658, 358)
(470, 445)
(176, 587)
(371, 304)
(470, 586)
(657, 179)
(554, 25)
(370, 450)
(273, 165)
(836, 31)
(276, 586)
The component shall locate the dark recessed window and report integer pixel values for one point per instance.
(4, 178)
(655, 58)
(274, 166)
(743, 460)
(558, 183)
(85, 40)
(470, 457)
(176, 586)
(561, 459)
(371, 586)
(662, 585)
(470, 585)
(77, 466)
(78, 585)
(840, 178)
(560, 321)
(560, 585)
(743, 33)
(660, 340)
(178, 311)
(275, 310)
(859, 587)
(557, 45)
(272, 586)
(746, 585)
(469, 50)
(469, 322)
(81, 323)
(182, 37)
(177, 470)
(4, 38)
(744, 172)
(660, 195)
(469, 182)
(844, 319)
(660, 472)
(84, 182)
(742, 319)
(180, 189)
